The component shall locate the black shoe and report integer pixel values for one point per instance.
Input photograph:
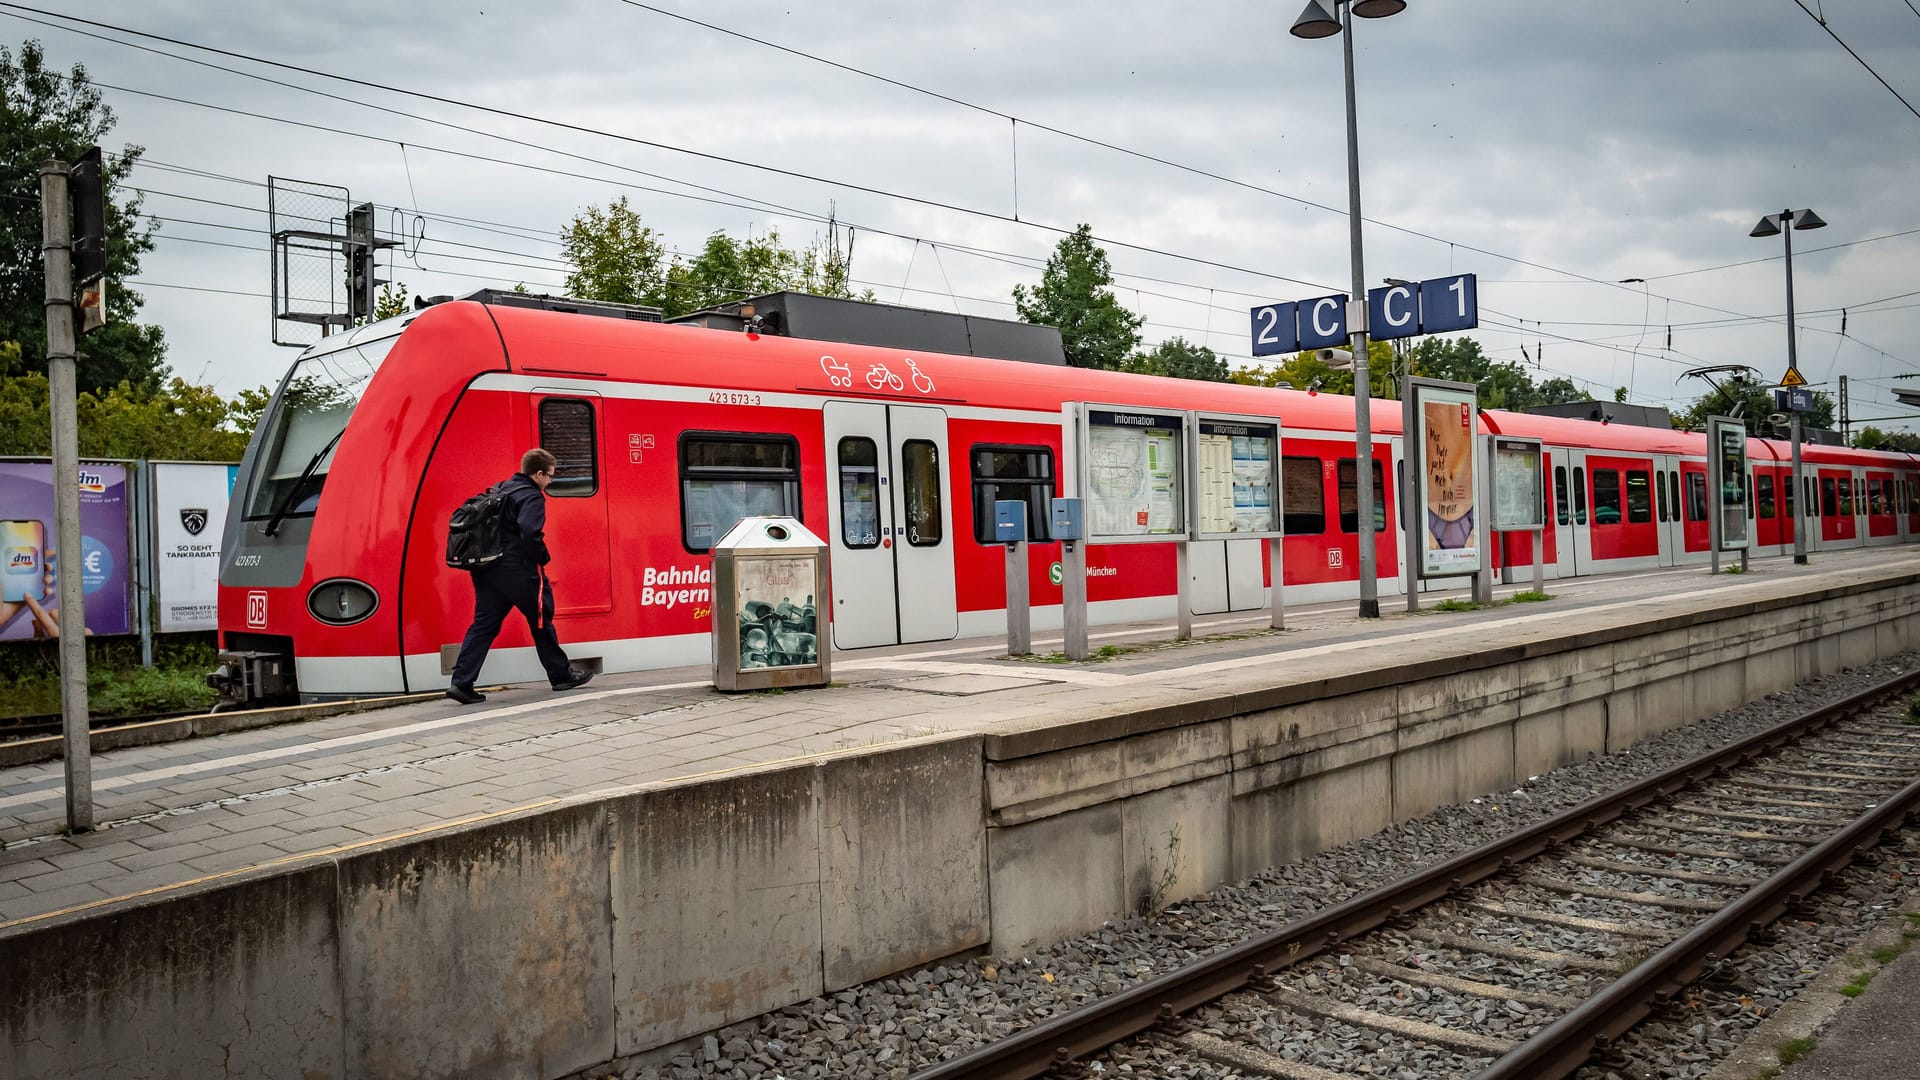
(579, 677)
(465, 695)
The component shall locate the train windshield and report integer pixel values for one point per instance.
(306, 426)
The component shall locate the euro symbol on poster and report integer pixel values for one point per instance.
(193, 519)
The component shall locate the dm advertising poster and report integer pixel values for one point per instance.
(1452, 534)
(190, 512)
(31, 562)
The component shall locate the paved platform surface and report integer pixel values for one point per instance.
(1877, 1037)
(209, 807)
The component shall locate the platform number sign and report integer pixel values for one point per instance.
(1437, 306)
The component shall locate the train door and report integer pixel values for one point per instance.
(1570, 512)
(1837, 526)
(1694, 507)
(568, 425)
(1772, 524)
(1881, 524)
(889, 502)
(1666, 508)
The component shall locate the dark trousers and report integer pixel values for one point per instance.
(497, 591)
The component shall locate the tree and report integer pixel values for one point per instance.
(46, 115)
(615, 257)
(1179, 358)
(727, 270)
(1306, 371)
(177, 421)
(1075, 295)
(1754, 403)
(1558, 391)
(1872, 438)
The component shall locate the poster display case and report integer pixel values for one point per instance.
(1234, 477)
(1134, 475)
(1443, 473)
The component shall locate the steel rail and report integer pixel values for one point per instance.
(1066, 1038)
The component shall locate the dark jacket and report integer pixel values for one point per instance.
(528, 511)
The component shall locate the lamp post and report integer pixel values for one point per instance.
(1783, 224)
(1317, 21)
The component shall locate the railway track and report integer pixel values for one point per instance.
(27, 727)
(1527, 957)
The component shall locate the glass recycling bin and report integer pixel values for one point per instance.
(769, 588)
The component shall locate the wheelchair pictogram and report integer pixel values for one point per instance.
(921, 381)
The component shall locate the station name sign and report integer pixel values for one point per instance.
(1436, 306)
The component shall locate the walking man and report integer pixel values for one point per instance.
(518, 579)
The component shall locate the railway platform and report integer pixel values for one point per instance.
(547, 882)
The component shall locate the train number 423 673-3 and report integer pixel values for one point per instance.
(732, 397)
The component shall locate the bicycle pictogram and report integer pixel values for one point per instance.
(879, 375)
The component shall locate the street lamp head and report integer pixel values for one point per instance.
(1378, 9)
(1767, 227)
(1807, 219)
(1317, 21)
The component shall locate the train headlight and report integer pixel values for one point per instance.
(342, 601)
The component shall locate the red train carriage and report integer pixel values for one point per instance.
(333, 584)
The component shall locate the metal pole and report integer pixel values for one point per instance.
(1800, 495)
(1019, 605)
(1073, 598)
(1793, 364)
(56, 227)
(1362, 433)
(1182, 593)
(1413, 534)
(1276, 569)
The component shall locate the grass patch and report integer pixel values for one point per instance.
(1457, 605)
(1107, 652)
(1531, 596)
(1630, 960)
(1913, 710)
(1887, 954)
(1857, 986)
(1736, 568)
(1114, 652)
(1794, 1049)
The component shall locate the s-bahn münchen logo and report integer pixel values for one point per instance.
(194, 519)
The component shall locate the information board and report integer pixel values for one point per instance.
(1446, 488)
(1135, 474)
(1519, 498)
(1236, 478)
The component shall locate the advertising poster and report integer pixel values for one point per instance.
(777, 627)
(190, 512)
(31, 562)
(1133, 475)
(1237, 482)
(1730, 473)
(1451, 537)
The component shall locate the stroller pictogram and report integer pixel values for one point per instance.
(837, 373)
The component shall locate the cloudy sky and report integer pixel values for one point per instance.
(1552, 148)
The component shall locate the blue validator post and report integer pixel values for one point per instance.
(1010, 528)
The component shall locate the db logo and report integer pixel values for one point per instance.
(1336, 557)
(256, 609)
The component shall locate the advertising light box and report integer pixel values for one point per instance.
(1235, 477)
(31, 561)
(190, 511)
(1728, 439)
(1441, 419)
(1519, 495)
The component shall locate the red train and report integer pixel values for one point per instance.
(333, 584)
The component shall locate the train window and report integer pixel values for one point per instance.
(304, 425)
(1829, 505)
(729, 475)
(1350, 498)
(1813, 503)
(1874, 499)
(1763, 497)
(1860, 495)
(1846, 497)
(1660, 491)
(859, 493)
(566, 431)
(1639, 498)
(1606, 496)
(1560, 494)
(1751, 498)
(920, 489)
(1696, 496)
(1579, 495)
(1303, 507)
(1017, 474)
(1786, 489)
(1673, 493)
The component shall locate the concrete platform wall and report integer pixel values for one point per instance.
(554, 939)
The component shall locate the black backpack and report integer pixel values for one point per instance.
(480, 530)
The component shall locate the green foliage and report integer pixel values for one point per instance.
(615, 258)
(1304, 370)
(1179, 358)
(1872, 438)
(1457, 605)
(1558, 391)
(179, 421)
(1755, 403)
(1528, 597)
(1794, 1049)
(46, 114)
(1502, 384)
(116, 683)
(727, 270)
(1075, 294)
(392, 301)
